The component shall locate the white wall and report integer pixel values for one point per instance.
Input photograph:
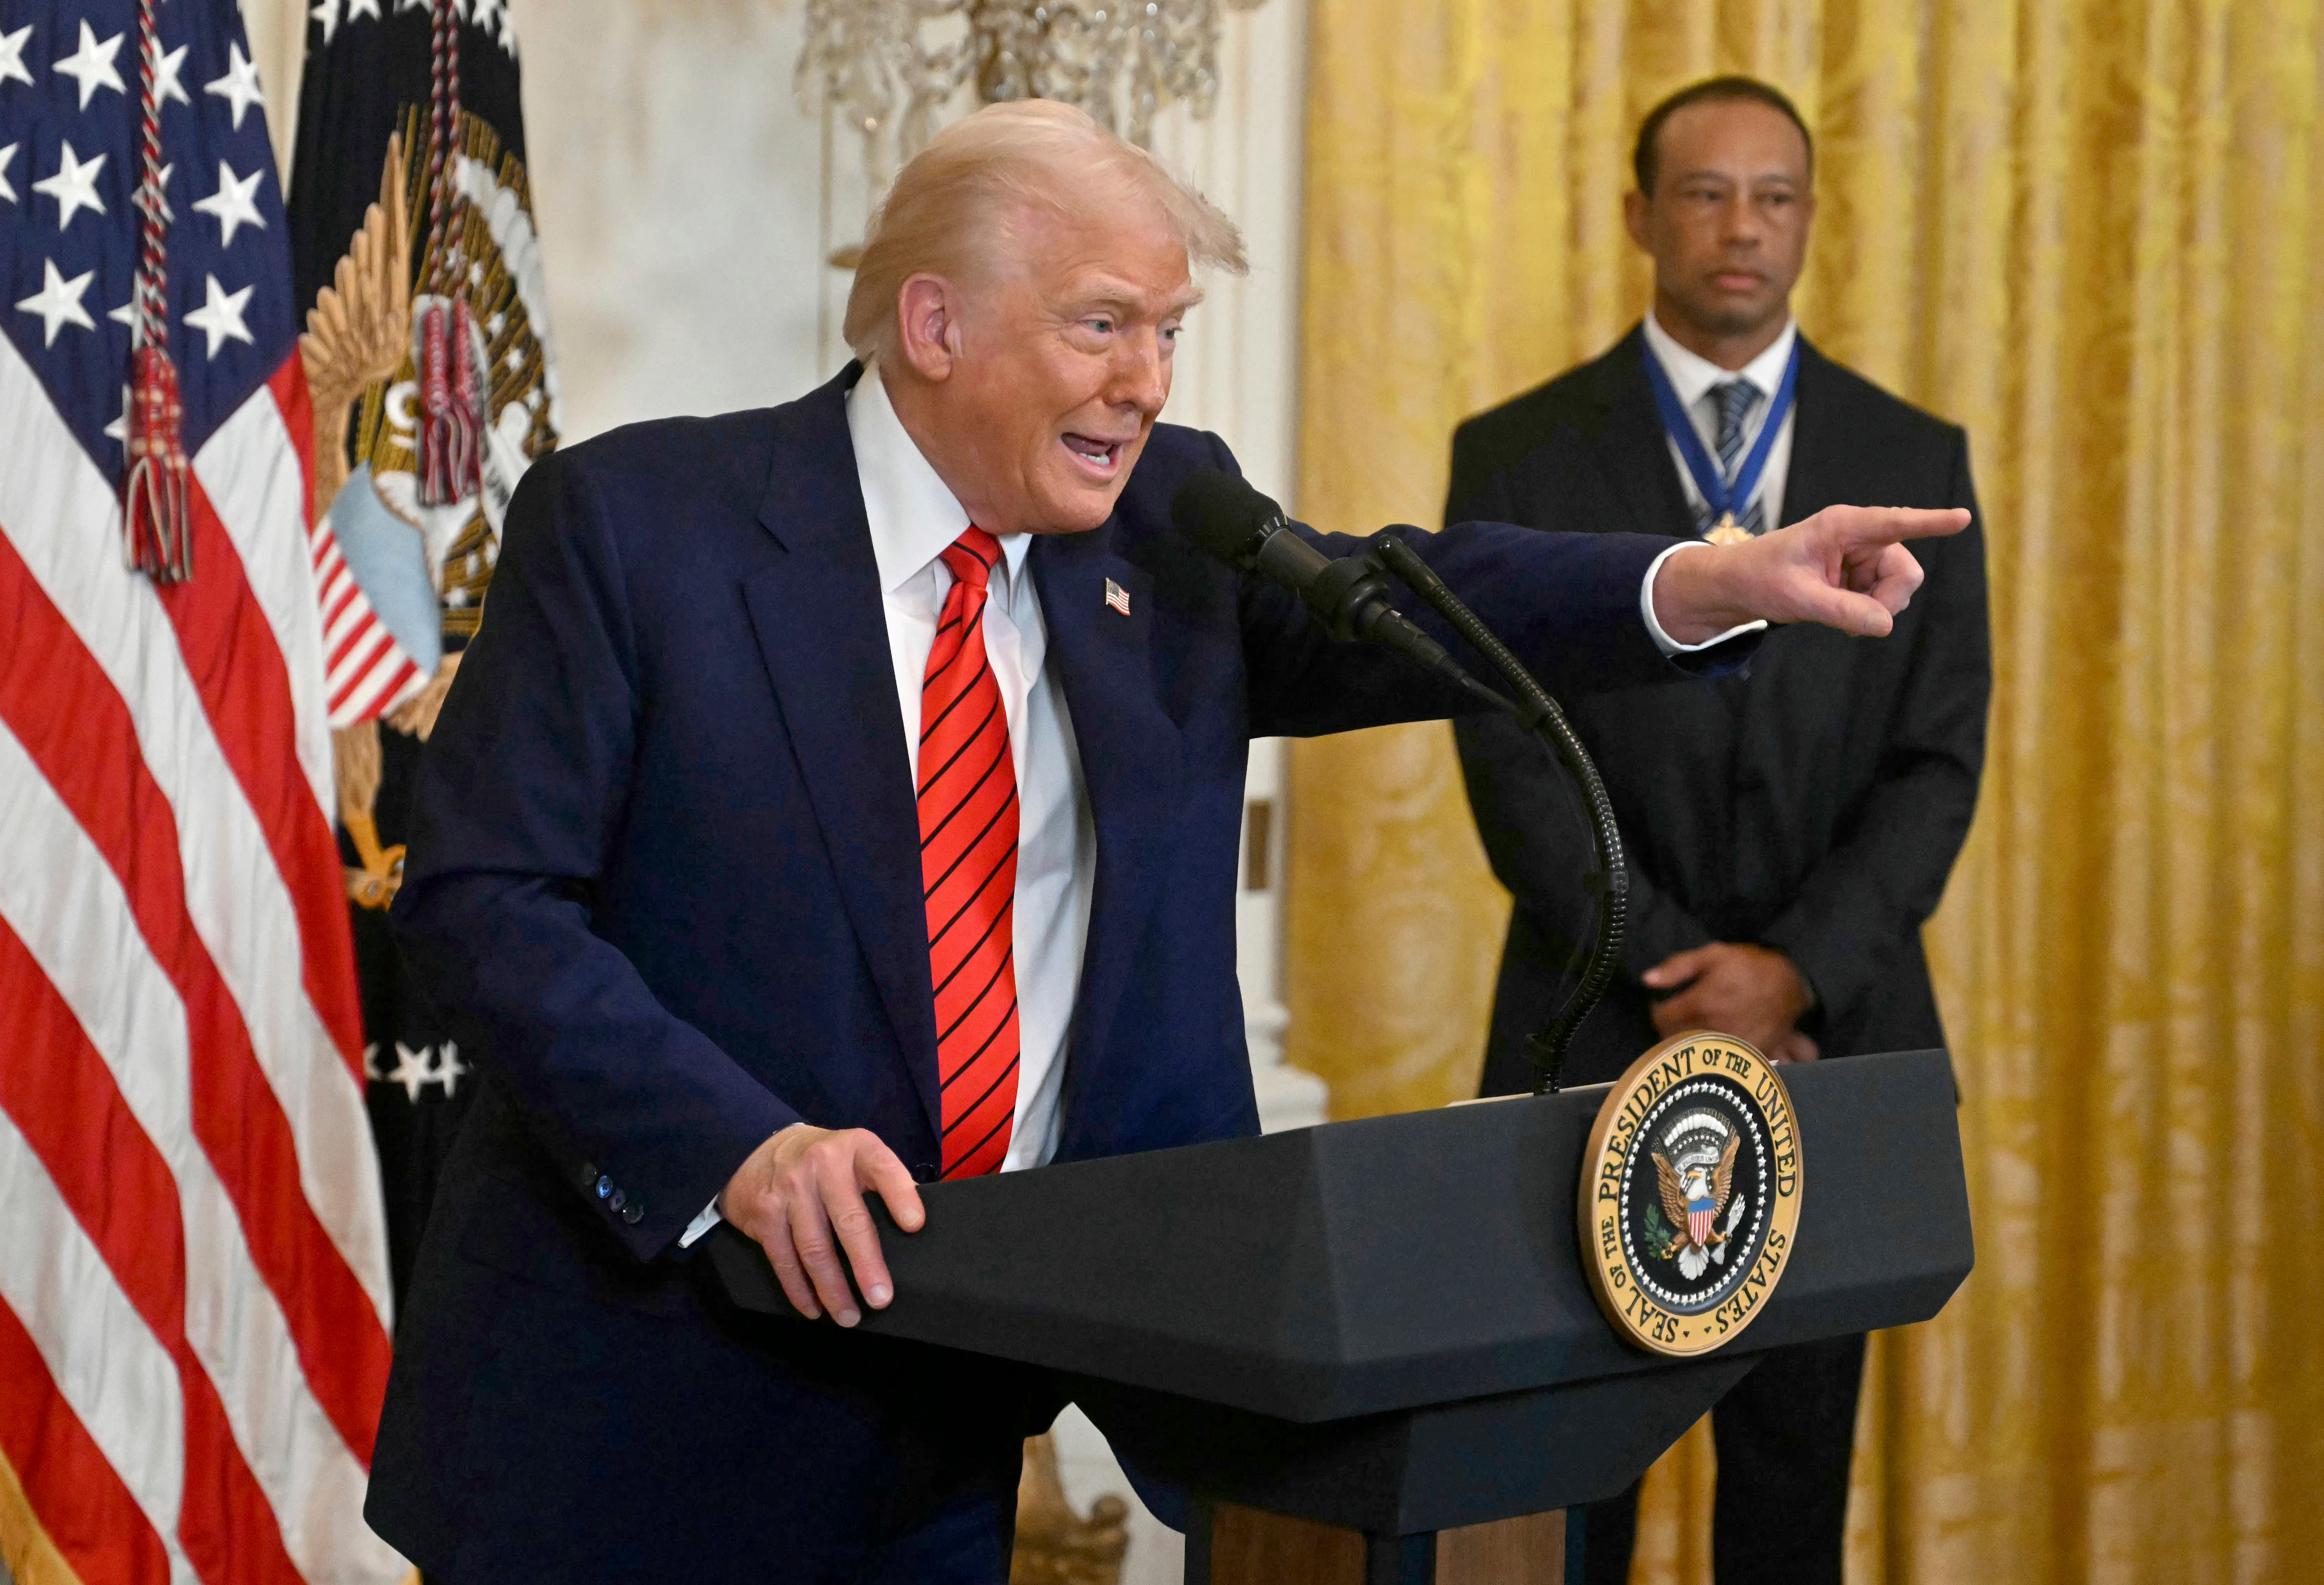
(1237, 375)
(675, 185)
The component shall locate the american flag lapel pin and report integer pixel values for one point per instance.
(1117, 597)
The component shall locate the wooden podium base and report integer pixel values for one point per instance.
(1232, 1545)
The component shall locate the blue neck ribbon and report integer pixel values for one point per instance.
(1726, 500)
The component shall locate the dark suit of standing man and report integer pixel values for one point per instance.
(1787, 830)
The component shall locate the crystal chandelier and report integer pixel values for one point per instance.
(890, 69)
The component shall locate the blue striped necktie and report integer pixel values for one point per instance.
(1736, 399)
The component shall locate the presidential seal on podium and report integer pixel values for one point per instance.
(1690, 1194)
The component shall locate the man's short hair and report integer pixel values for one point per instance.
(1645, 160)
(950, 210)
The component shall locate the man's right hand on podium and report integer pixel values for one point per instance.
(800, 1195)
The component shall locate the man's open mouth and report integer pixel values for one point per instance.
(1100, 456)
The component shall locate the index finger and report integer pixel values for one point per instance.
(1868, 525)
(850, 1220)
(878, 1169)
(875, 1167)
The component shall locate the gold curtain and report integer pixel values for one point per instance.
(2094, 234)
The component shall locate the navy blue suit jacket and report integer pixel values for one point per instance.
(664, 880)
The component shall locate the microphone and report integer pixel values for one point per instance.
(1348, 595)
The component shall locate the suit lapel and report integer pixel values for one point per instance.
(822, 635)
(1820, 441)
(1638, 458)
(1132, 761)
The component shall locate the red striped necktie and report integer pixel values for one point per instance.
(968, 866)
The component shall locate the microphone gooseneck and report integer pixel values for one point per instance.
(1348, 597)
(1546, 1047)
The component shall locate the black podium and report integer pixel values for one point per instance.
(1383, 1325)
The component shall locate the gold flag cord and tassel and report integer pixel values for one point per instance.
(451, 396)
(156, 515)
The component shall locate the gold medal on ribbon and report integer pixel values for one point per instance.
(1714, 489)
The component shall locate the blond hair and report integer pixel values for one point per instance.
(949, 210)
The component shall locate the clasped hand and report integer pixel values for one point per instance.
(1752, 993)
(800, 1196)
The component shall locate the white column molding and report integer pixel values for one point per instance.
(1237, 375)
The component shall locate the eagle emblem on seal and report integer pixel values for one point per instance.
(1698, 1196)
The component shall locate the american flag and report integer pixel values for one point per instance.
(193, 1274)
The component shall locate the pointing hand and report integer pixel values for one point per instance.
(1845, 567)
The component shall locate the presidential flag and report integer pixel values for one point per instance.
(193, 1299)
(427, 348)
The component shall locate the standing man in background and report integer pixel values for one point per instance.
(1787, 830)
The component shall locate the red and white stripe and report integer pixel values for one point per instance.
(194, 1293)
(369, 672)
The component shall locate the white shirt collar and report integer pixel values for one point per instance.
(912, 514)
(1692, 376)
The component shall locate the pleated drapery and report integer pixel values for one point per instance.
(2094, 234)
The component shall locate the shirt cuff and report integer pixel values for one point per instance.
(1664, 641)
(700, 1224)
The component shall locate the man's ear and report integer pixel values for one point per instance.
(1635, 216)
(927, 315)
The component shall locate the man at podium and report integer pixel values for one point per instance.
(844, 795)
